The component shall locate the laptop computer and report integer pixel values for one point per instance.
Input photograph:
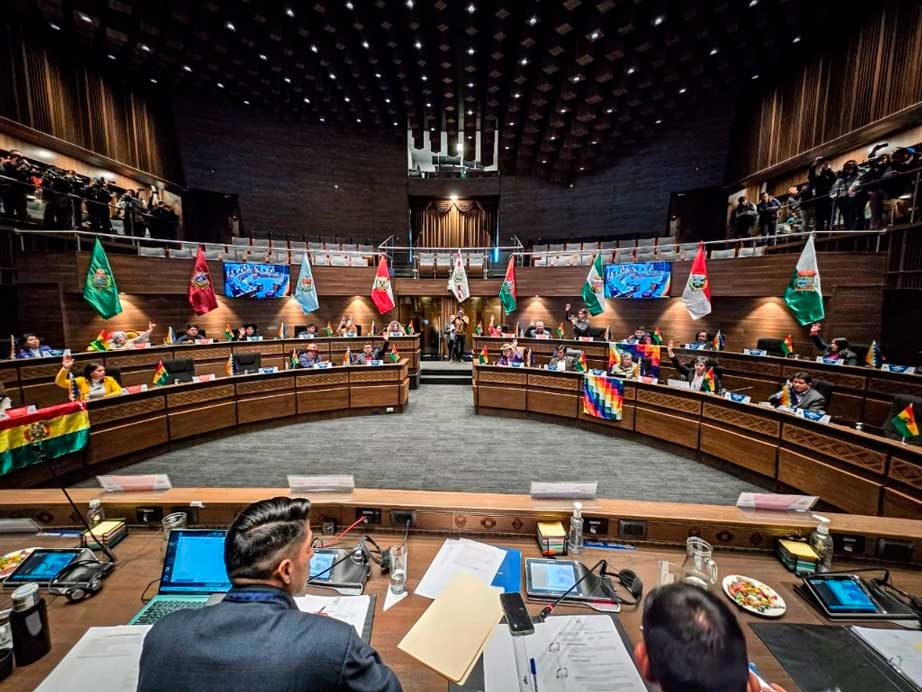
(193, 570)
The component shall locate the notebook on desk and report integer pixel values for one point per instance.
(193, 570)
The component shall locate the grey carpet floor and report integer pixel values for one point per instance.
(440, 444)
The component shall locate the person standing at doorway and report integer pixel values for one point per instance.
(460, 322)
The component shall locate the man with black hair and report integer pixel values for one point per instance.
(693, 643)
(190, 336)
(580, 321)
(256, 638)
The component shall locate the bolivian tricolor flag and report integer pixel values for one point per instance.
(580, 363)
(99, 343)
(478, 330)
(709, 382)
(905, 422)
(293, 360)
(786, 399)
(657, 336)
(161, 376)
(559, 331)
(484, 357)
(787, 345)
(228, 333)
(328, 330)
(393, 355)
(170, 337)
(410, 331)
(60, 430)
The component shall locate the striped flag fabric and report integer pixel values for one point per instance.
(161, 376)
(293, 361)
(580, 364)
(230, 367)
(559, 331)
(657, 336)
(905, 422)
(347, 357)
(787, 345)
(62, 429)
(99, 343)
(718, 342)
(170, 337)
(874, 357)
(603, 396)
(228, 332)
(709, 382)
(328, 330)
(484, 357)
(787, 398)
(393, 356)
(614, 357)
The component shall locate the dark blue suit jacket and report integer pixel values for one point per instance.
(264, 645)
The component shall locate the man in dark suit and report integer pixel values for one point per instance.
(803, 395)
(256, 638)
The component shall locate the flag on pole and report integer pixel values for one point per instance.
(875, 357)
(709, 381)
(478, 330)
(161, 376)
(697, 293)
(202, 297)
(293, 361)
(306, 290)
(99, 288)
(905, 422)
(518, 329)
(580, 364)
(614, 356)
(230, 367)
(457, 281)
(508, 293)
(393, 355)
(347, 357)
(283, 332)
(170, 337)
(718, 342)
(786, 398)
(484, 357)
(228, 332)
(530, 358)
(559, 331)
(100, 342)
(328, 330)
(381, 293)
(12, 347)
(804, 295)
(409, 330)
(787, 346)
(657, 336)
(594, 288)
(608, 332)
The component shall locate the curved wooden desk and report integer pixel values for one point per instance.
(859, 393)
(850, 469)
(129, 427)
(31, 381)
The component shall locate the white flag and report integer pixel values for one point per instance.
(457, 282)
(697, 293)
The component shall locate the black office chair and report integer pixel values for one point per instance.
(861, 350)
(826, 389)
(300, 329)
(596, 332)
(771, 346)
(180, 369)
(115, 374)
(248, 362)
(201, 333)
(901, 401)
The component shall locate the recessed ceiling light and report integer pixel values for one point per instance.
(511, 124)
(575, 78)
(582, 168)
(631, 70)
(85, 17)
(142, 46)
(506, 147)
(755, 76)
(425, 78)
(322, 119)
(595, 141)
(54, 26)
(187, 68)
(714, 51)
(306, 100)
(332, 76)
(263, 56)
(153, 81)
(313, 48)
(365, 45)
(470, 112)
(470, 137)
(659, 122)
(358, 120)
(428, 105)
(563, 110)
(287, 80)
(796, 39)
(682, 90)
(418, 45)
(753, 3)
(230, 26)
(658, 20)
(470, 85)
(219, 85)
(609, 110)
(471, 8)
(594, 36)
(543, 160)
(395, 123)
(290, 12)
(517, 95)
(532, 20)
(246, 102)
(349, 6)
(346, 99)
(110, 56)
(553, 137)
(470, 51)
(377, 75)
(387, 100)
(409, 3)
(523, 61)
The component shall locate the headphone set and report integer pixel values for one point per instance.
(80, 579)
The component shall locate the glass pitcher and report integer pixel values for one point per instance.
(699, 568)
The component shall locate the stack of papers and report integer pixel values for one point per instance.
(552, 538)
(353, 610)
(110, 532)
(106, 659)
(578, 653)
(451, 634)
(460, 555)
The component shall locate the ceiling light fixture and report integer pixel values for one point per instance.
(332, 76)
(575, 78)
(755, 76)
(142, 46)
(425, 78)
(110, 56)
(219, 85)
(517, 95)
(287, 80)
(358, 120)
(365, 45)
(796, 39)
(543, 160)
(553, 137)
(85, 17)
(511, 124)
(428, 105)
(290, 12)
(609, 110)
(594, 36)
(582, 168)
(230, 26)
(263, 56)
(658, 20)
(753, 3)
(322, 119)
(187, 68)
(595, 141)
(470, 51)
(523, 62)
(470, 112)
(395, 124)
(409, 3)
(418, 45)
(471, 8)
(349, 6)
(659, 122)
(563, 110)
(306, 100)
(631, 70)
(470, 85)
(682, 90)
(506, 147)
(377, 75)
(346, 99)
(313, 48)
(387, 100)
(153, 81)
(714, 51)
(54, 26)
(245, 102)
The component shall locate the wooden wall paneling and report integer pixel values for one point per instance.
(679, 430)
(626, 422)
(120, 440)
(43, 313)
(857, 453)
(897, 504)
(202, 419)
(740, 449)
(845, 490)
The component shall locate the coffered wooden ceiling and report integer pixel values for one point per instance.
(565, 85)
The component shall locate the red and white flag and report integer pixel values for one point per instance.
(381, 292)
(697, 293)
(457, 281)
(201, 290)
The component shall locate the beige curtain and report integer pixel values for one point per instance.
(443, 223)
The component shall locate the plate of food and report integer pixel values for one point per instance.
(10, 561)
(752, 595)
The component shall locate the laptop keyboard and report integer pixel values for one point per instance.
(160, 608)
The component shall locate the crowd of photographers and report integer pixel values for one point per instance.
(69, 201)
(870, 195)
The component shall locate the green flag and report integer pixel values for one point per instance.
(804, 295)
(100, 289)
(594, 288)
(508, 292)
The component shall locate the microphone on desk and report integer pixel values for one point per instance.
(737, 391)
(547, 609)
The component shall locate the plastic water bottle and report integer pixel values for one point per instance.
(575, 539)
(822, 545)
(96, 515)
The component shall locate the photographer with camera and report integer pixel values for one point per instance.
(97, 198)
(17, 172)
(132, 209)
(822, 178)
(743, 218)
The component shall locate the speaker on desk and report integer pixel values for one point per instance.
(248, 362)
(771, 346)
(180, 369)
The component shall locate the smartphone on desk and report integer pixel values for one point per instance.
(517, 617)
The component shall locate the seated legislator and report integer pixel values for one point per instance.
(560, 360)
(625, 368)
(580, 321)
(395, 328)
(703, 341)
(692, 641)
(309, 357)
(510, 354)
(537, 331)
(347, 327)
(256, 638)
(837, 350)
(246, 332)
(120, 340)
(369, 353)
(694, 372)
(638, 337)
(32, 347)
(94, 383)
(190, 336)
(803, 395)
(310, 332)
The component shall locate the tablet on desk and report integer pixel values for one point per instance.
(849, 597)
(550, 578)
(322, 566)
(41, 567)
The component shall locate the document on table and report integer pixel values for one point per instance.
(573, 653)
(106, 659)
(353, 610)
(461, 555)
(901, 648)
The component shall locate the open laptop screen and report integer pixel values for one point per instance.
(194, 563)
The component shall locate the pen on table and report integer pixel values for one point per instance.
(534, 674)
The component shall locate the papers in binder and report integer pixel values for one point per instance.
(902, 649)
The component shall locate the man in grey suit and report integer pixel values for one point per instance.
(256, 638)
(803, 395)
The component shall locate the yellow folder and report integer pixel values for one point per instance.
(450, 636)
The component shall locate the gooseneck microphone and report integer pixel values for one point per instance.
(547, 609)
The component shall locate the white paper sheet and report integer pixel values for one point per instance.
(479, 559)
(106, 659)
(349, 609)
(902, 649)
(578, 653)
